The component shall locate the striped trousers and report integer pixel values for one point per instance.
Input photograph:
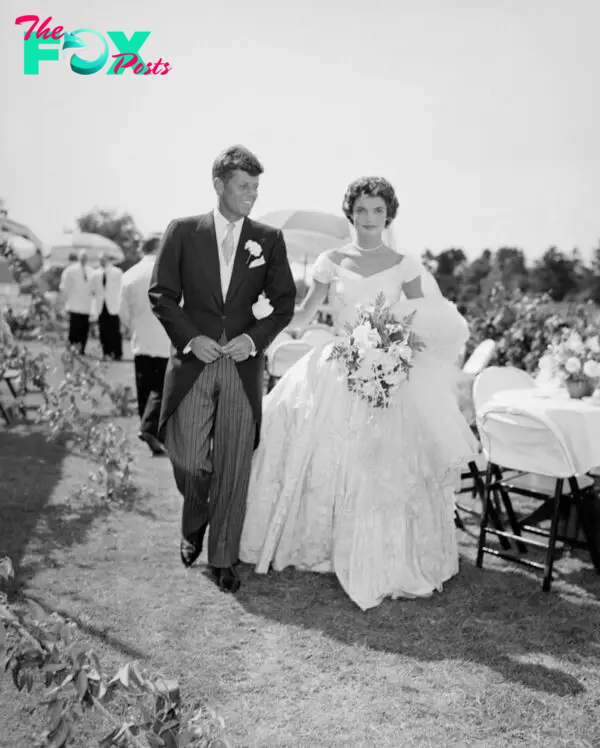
(210, 442)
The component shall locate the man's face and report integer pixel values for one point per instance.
(238, 195)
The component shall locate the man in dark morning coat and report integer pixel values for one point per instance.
(209, 274)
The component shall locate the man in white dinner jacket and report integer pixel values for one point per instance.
(76, 290)
(106, 286)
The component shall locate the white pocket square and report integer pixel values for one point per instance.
(256, 263)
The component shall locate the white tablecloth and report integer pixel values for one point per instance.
(577, 420)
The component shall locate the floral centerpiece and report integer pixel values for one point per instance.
(576, 361)
(377, 352)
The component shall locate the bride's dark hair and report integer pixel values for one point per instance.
(371, 187)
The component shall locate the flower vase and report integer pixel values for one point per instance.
(578, 388)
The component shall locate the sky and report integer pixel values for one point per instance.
(484, 114)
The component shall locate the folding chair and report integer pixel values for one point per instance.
(480, 358)
(282, 357)
(532, 445)
(489, 381)
(476, 363)
(499, 379)
(317, 335)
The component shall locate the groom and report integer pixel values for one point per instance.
(218, 263)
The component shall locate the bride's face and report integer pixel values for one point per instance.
(369, 216)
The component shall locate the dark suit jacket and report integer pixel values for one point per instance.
(187, 267)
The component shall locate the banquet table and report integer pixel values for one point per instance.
(579, 423)
(577, 420)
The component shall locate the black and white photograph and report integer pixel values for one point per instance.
(300, 374)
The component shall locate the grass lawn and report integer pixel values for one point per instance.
(290, 661)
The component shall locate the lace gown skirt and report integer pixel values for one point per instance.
(366, 493)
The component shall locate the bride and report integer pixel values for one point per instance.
(339, 486)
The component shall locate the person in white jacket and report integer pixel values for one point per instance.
(106, 285)
(76, 291)
(150, 344)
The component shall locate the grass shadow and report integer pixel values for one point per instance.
(43, 509)
(498, 618)
(93, 631)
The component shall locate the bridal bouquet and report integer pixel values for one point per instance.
(576, 360)
(377, 353)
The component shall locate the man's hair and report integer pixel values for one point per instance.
(72, 256)
(151, 244)
(233, 158)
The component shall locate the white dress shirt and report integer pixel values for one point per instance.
(226, 269)
(110, 293)
(76, 284)
(148, 336)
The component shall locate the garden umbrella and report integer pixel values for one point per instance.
(93, 244)
(24, 243)
(307, 233)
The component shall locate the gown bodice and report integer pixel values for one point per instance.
(349, 290)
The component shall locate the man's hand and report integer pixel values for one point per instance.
(239, 349)
(206, 349)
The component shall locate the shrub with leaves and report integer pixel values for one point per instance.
(524, 325)
(138, 709)
(76, 407)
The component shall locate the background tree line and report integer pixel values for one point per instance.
(563, 277)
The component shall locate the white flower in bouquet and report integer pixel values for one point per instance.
(370, 359)
(377, 353)
(365, 336)
(403, 350)
(572, 365)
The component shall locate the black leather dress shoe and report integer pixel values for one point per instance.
(229, 580)
(191, 547)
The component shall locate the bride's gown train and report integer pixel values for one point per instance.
(365, 493)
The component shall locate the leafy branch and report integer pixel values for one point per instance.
(73, 407)
(150, 712)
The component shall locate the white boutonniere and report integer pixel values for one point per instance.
(255, 255)
(262, 307)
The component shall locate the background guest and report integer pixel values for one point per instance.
(76, 290)
(150, 344)
(106, 286)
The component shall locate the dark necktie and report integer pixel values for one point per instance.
(104, 279)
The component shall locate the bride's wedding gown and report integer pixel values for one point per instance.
(366, 493)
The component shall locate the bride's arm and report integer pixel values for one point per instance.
(305, 312)
(413, 289)
(412, 271)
